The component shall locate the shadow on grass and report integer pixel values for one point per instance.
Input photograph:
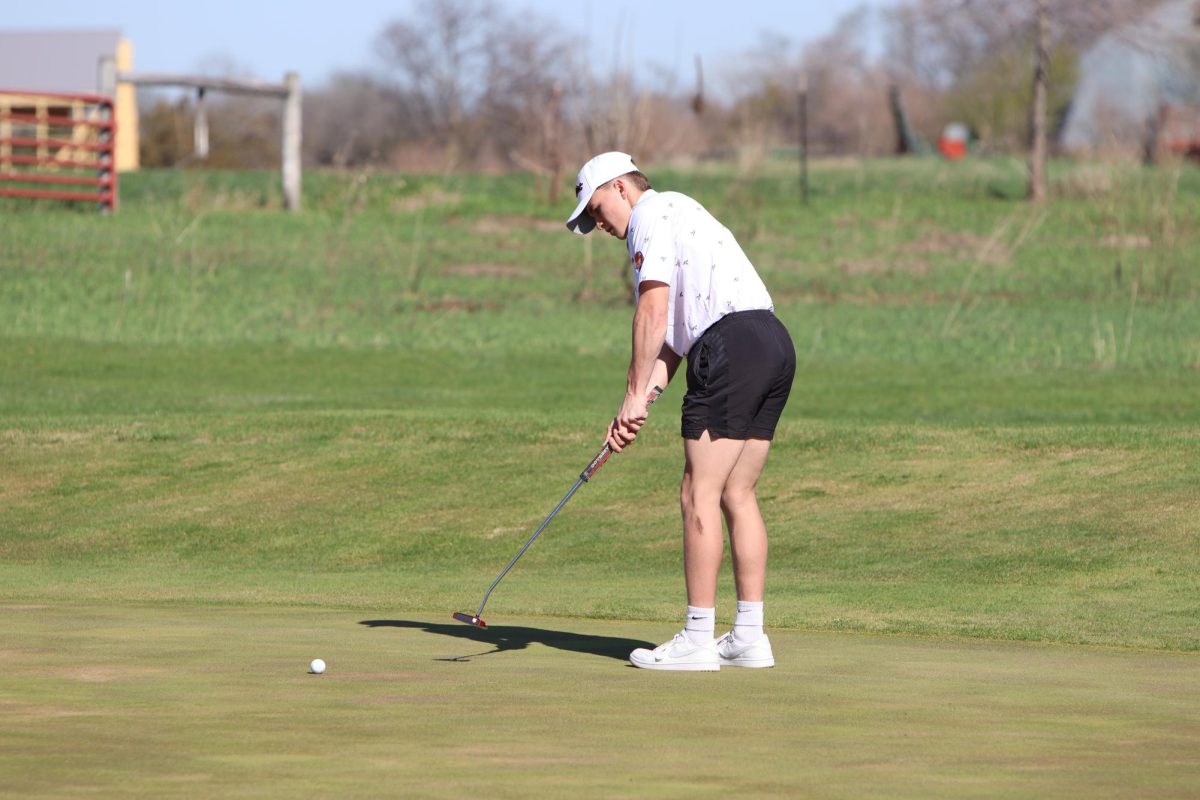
(503, 638)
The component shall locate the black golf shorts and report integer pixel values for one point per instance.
(739, 375)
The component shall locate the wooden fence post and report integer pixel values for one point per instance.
(200, 126)
(291, 143)
(288, 91)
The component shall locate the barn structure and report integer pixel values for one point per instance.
(46, 65)
(1139, 87)
(68, 103)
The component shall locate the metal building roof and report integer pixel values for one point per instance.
(55, 61)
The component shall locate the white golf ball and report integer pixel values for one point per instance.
(317, 666)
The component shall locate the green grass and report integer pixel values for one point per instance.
(229, 435)
(198, 701)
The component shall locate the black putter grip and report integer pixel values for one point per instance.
(603, 455)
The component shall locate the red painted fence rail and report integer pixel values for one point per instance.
(50, 140)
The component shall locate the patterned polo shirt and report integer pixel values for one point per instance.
(674, 240)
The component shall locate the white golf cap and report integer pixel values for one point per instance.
(597, 172)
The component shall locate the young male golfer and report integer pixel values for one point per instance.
(699, 296)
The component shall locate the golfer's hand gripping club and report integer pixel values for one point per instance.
(603, 455)
(597, 462)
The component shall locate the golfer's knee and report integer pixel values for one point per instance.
(737, 498)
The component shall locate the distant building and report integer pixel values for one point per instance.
(74, 62)
(1132, 78)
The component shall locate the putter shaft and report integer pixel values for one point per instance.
(584, 476)
(525, 546)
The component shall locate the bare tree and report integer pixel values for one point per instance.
(939, 42)
(441, 61)
(528, 72)
(355, 120)
(849, 109)
(486, 89)
(1037, 150)
(848, 114)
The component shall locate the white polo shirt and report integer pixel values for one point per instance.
(673, 239)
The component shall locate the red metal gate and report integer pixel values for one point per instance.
(52, 140)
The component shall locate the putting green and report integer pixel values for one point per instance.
(202, 701)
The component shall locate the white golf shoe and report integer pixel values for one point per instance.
(679, 654)
(756, 654)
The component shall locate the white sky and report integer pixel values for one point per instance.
(265, 39)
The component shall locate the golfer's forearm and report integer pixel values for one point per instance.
(664, 367)
(645, 364)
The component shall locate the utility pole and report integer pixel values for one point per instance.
(1037, 150)
(802, 98)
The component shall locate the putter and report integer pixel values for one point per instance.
(591, 469)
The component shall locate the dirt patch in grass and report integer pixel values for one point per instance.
(443, 304)
(23, 485)
(957, 244)
(12, 709)
(1127, 242)
(107, 674)
(417, 202)
(883, 266)
(489, 271)
(493, 224)
(912, 257)
(884, 298)
(398, 677)
(502, 532)
(46, 438)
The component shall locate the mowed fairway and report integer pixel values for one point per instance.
(197, 701)
(233, 440)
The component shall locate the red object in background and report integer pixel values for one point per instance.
(1178, 132)
(953, 142)
(952, 149)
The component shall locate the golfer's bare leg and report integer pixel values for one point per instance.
(708, 464)
(747, 532)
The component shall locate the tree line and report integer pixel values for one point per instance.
(462, 84)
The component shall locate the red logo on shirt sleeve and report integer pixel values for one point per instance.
(637, 260)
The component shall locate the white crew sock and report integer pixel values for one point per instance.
(700, 625)
(748, 624)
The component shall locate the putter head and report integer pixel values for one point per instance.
(470, 619)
